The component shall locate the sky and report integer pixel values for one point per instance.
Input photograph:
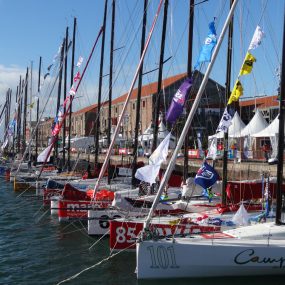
(33, 28)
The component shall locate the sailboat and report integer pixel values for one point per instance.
(249, 251)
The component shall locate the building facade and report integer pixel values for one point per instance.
(206, 119)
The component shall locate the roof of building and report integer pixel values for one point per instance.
(85, 110)
(261, 102)
(150, 88)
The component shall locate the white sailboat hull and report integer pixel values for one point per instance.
(210, 258)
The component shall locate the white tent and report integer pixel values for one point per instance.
(269, 131)
(236, 127)
(256, 124)
(147, 137)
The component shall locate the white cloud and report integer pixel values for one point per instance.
(9, 78)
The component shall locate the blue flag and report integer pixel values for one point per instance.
(178, 101)
(209, 44)
(206, 176)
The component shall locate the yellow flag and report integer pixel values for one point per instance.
(32, 105)
(247, 64)
(236, 93)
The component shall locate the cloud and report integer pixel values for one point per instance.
(9, 78)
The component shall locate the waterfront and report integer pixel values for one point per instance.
(36, 249)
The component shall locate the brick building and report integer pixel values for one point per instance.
(268, 105)
(206, 119)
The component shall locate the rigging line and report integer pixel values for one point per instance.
(272, 39)
(40, 116)
(97, 241)
(92, 266)
(262, 12)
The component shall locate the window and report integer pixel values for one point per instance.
(143, 103)
(134, 106)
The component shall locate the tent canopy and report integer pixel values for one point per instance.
(269, 131)
(256, 124)
(235, 128)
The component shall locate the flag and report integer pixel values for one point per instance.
(236, 93)
(206, 176)
(32, 105)
(256, 39)
(161, 152)
(79, 62)
(46, 75)
(72, 91)
(209, 44)
(212, 151)
(149, 172)
(43, 155)
(76, 77)
(247, 64)
(178, 101)
(49, 67)
(226, 120)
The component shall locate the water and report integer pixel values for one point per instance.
(36, 249)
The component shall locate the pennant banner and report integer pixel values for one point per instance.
(256, 39)
(42, 157)
(178, 101)
(209, 44)
(206, 176)
(226, 120)
(149, 172)
(236, 93)
(247, 64)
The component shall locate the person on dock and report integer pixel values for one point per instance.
(266, 151)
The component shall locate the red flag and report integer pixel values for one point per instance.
(77, 76)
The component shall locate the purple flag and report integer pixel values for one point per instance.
(176, 107)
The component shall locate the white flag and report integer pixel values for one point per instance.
(42, 156)
(225, 122)
(149, 172)
(256, 39)
(212, 151)
(79, 62)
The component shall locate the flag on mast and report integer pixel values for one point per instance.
(208, 46)
(178, 101)
(149, 172)
(256, 39)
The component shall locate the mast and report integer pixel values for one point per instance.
(228, 91)
(38, 106)
(30, 111)
(111, 82)
(104, 166)
(7, 111)
(25, 112)
(171, 163)
(158, 95)
(19, 115)
(55, 138)
(4, 108)
(14, 128)
(9, 106)
(278, 220)
(59, 90)
(189, 67)
(64, 95)
(71, 82)
(138, 109)
(97, 129)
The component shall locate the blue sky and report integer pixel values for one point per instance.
(34, 28)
